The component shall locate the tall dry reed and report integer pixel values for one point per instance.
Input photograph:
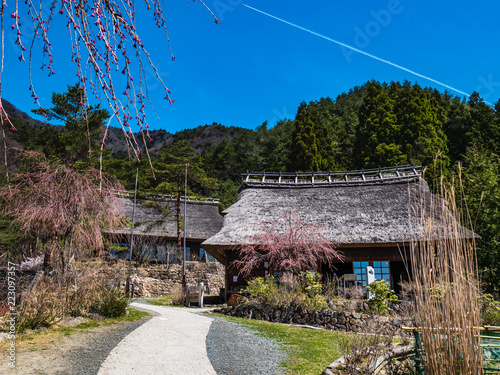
(446, 287)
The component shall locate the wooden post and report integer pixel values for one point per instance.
(201, 289)
(187, 294)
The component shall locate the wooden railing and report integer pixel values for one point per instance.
(366, 176)
(164, 197)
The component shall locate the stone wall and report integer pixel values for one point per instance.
(328, 319)
(160, 280)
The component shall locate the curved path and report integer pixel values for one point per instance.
(160, 345)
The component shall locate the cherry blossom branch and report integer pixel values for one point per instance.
(287, 244)
(105, 44)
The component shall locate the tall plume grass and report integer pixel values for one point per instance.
(446, 287)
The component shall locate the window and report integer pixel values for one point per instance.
(360, 271)
(382, 271)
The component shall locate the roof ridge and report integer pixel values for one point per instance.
(396, 174)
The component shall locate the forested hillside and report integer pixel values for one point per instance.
(373, 125)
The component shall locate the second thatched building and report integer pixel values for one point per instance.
(373, 216)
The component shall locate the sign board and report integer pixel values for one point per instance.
(350, 277)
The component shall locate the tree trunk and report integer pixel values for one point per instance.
(47, 262)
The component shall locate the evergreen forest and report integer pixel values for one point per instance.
(373, 125)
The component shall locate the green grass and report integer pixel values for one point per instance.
(309, 351)
(132, 316)
(161, 301)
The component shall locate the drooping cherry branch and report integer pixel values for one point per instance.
(105, 45)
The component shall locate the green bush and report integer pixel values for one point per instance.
(261, 288)
(381, 295)
(311, 283)
(490, 310)
(306, 293)
(110, 303)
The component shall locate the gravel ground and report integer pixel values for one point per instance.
(76, 354)
(173, 343)
(89, 357)
(231, 348)
(235, 350)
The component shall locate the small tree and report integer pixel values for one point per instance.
(381, 295)
(288, 245)
(59, 209)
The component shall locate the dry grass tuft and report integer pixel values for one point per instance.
(178, 295)
(446, 288)
(80, 292)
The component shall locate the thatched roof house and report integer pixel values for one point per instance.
(370, 214)
(202, 220)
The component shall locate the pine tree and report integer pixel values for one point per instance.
(171, 168)
(82, 125)
(312, 145)
(376, 143)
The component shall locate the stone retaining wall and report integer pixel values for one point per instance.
(327, 319)
(160, 280)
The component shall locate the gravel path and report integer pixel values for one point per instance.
(235, 350)
(77, 354)
(89, 358)
(173, 342)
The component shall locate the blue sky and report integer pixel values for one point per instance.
(252, 68)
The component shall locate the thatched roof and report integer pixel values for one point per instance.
(377, 207)
(203, 219)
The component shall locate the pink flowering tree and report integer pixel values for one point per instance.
(287, 245)
(60, 211)
(109, 56)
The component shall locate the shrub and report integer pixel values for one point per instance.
(178, 295)
(264, 290)
(77, 293)
(331, 287)
(41, 308)
(381, 295)
(490, 310)
(111, 303)
(306, 293)
(311, 282)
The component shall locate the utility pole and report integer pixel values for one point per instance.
(127, 287)
(185, 226)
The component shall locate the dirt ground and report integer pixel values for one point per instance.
(71, 351)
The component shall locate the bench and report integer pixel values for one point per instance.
(194, 294)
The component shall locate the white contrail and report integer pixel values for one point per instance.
(359, 51)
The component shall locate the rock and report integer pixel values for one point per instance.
(72, 322)
(98, 318)
(341, 319)
(327, 313)
(236, 299)
(340, 328)
(396, 322)
(277, 316)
